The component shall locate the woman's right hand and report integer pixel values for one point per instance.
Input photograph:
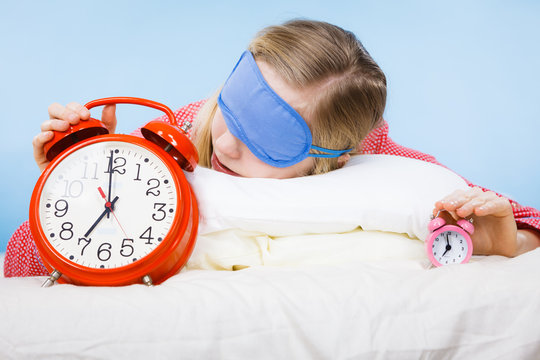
(60, 119)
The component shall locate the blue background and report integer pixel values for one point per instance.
(462, 75)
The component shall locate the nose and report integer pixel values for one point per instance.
(229, 145)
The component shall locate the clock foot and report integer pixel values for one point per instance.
(52, 279)
(147, 280)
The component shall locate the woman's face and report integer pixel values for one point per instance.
(233, 157)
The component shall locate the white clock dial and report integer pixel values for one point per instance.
(77, 199)
(450, 247)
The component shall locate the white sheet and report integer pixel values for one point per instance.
(389, 309)
(355, 294)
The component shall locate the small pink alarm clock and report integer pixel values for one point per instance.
(449, 244)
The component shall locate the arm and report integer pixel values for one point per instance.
(496, 230)
(22, 257)
(527, 240)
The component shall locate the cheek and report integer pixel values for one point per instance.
(218, 126)
(304, 167)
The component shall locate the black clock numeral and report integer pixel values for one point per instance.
(61, 207)
(117, 166)
(138, 172)
(147, 235)
(87, 241)
(67, 231)
(150, 190)
(160, 210)
(104, 252)
(123, 251)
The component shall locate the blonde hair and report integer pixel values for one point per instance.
(351, 92)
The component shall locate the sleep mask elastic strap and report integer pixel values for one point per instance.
(330, 153)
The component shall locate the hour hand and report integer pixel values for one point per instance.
(448, 246)
(105, 212)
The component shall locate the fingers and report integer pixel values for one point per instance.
(41, 138)
(497, 207)
(54, 124)
(72, 112)
(60, 119)
(37, 143)
(474, 201)
(456, 199)
(108, 117)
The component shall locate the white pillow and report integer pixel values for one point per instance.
(375, 192)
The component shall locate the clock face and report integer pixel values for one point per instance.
(108, 204)
(450, 247)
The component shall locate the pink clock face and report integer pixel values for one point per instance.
(449, 245)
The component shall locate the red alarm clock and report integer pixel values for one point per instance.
(449, 244)
(114, 209)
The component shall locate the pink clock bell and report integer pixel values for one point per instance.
(449, 244)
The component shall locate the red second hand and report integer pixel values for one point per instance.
(108, 205)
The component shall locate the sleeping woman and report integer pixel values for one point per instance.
(303, 99)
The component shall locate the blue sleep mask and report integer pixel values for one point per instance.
(255, 114)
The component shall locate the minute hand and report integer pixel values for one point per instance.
(110, 179)
(105, 212)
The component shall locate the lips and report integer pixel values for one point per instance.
(218, 166)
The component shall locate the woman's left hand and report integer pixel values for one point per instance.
(495, 230)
